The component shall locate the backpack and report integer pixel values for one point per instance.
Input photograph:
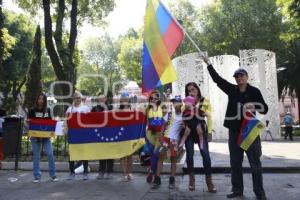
(288, 120)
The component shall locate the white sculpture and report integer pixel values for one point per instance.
(261, 66)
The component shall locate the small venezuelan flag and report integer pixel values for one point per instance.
(40, 127)
(105, 135)
(250, 129)
(162, 36)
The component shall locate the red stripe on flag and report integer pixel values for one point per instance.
(243, 125)
(41, 121)
(106, 119)
(173, 37)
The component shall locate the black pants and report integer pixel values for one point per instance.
(84, 162)
(106, 165)
(288, 132)
(236, 161)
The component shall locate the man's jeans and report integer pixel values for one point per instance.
(189, 146)
(236, 160)
(36, 149)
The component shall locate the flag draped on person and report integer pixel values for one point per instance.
(251, 128)
(40, 127)
(162, 36)
(105, 135)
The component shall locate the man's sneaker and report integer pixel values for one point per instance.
(71, 176)
(36, 180)
(54, 179)
(156, 182)
(85, 177)
(100, 176)
(171, 182)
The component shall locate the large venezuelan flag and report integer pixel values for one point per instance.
(105, 135)
(162, 35)
(40, 127)
(250, 129)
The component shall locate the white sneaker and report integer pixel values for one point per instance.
(129, 177)
(36, 180)
(54, 179)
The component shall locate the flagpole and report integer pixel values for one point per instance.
(194, 43)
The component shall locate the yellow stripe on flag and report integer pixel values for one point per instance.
(101, 151)
(41, 134)
(256, 131)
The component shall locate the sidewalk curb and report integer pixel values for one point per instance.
(137, 168)
(64, 167)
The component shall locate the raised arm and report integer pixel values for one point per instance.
(223, 84)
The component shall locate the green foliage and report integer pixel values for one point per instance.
(231, 25)
(15, 66)
(99, 59)
(130, 55)
(92, 11)
(188, 16)
(8, 44)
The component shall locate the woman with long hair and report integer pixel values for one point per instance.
(203, 110)
(40, 110)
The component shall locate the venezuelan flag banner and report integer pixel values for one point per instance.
(250, 129)
(162, 36)
(40, 127)
(105, 135)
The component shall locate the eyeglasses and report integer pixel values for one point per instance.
(77, 98)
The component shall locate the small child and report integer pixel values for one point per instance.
(171, 134)
(190, 117)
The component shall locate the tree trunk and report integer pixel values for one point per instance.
(34, 74)
(61, 55)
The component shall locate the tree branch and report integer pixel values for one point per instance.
(49, 41)
(73, 27)
(59, 24)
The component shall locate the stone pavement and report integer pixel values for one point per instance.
(18, 185)
(278, 156)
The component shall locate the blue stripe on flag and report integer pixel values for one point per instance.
(250, 125)
(35, 127)
(149, 74)
(106, 134)
(164, 19)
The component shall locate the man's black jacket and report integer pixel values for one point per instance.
(236, 100)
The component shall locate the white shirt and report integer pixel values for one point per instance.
(175, 126)
(80, 109)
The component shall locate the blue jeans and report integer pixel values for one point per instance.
(236, 160)
(36, 150)
(189, 146)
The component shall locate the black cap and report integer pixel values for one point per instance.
(240, 71)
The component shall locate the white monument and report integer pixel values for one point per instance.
(262, 74)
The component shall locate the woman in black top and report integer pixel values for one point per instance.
(40, 110)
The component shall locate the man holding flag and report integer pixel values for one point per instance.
(242, 98)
